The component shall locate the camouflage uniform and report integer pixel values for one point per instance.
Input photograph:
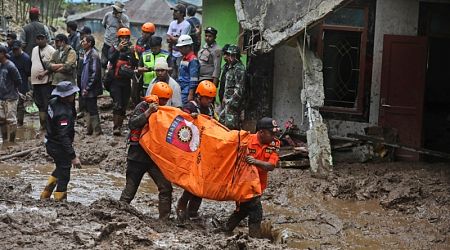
(233, 96)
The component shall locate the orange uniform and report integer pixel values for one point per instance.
(265, 152)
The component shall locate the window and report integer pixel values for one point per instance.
(343, 51)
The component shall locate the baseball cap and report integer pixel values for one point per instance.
(267, 123)
(179, 7)
(155, 41)
(16, 44)
(85, 30)
(211, 30)
(41, 35)
(3, 49)
(61, 37)
(34, 10)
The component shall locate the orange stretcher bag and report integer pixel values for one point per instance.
(201, 155)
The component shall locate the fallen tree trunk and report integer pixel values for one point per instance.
(18, 154)
(294, 164)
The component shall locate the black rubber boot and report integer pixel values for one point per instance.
(95, 122)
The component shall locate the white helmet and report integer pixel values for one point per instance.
(184, 40)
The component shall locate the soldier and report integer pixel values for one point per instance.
(59, 139)
(138, 161)
(234, 89)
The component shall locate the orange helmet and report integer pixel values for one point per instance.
(162, 90)
(148, 27)
(206, 88)
(123, 32)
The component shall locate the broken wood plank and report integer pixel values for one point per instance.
(294, 164)
(401, 146)
(18, 154)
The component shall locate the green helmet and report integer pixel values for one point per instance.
(233, 49)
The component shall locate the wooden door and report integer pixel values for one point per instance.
(402, 89)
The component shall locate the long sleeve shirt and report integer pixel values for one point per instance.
(10, 81)
(23, 64)
(68, 57)
(188, 72)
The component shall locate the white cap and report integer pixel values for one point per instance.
(161, 63)
(184, 40)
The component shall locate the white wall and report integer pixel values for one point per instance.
(287, 84)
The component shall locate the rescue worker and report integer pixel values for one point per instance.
(59, 139)
(188, 204)
(233, 98)
(142, 45)
(263, 151)
(162, 75)
(122, 63)
(188, 70)
(10, 81)
(91, 85)
(210, 57)
(138, 161)
(148, 60)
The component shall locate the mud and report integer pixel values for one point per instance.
(358, 206)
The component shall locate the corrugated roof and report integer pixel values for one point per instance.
(139, 11)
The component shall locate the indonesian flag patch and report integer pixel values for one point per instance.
(64, 122)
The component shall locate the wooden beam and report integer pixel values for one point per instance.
(401, 146)
(294, 164)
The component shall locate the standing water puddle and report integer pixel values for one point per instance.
(86, 185)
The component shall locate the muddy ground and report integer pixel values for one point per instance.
(360, 206)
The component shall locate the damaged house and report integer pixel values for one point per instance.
(343, 66)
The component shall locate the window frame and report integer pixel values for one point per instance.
(359, 108)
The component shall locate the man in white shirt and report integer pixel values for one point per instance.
(42, 84)
(177, 27)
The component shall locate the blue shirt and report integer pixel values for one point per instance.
(188, 72)
(9, 81)
(23, 64)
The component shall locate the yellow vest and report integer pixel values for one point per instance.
(149, 61)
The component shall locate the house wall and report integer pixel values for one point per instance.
(399, 17)
(221, 15)
(287, 84)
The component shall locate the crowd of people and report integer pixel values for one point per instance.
(187, 76)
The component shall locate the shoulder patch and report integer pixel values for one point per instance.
(50, 111)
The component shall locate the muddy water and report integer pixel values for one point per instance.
(86, 185)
